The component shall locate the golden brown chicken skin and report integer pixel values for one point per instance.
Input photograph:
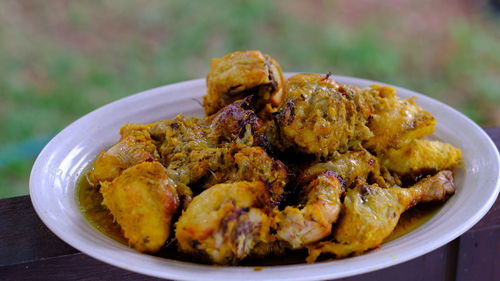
(206, 166)
(135, 146)
(195, 148)
(182, 135)
(187, 150)
(346, 153)
(371, 214)
(241, 74)
(143, 201)
(421, 156)
(227, 147)
(237, 122)
(225, 222)
(319, 116)
(357, 166)
(394, 122)
(321, 208)
(251, 164)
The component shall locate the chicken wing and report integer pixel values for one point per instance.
(142, 200)
(321, 208)
(241, 74)
(371, 214)
(223, 223)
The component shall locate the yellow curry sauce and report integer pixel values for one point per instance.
(99, 216)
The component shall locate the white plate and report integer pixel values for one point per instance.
(55, 173)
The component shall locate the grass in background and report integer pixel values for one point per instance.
(60, 60)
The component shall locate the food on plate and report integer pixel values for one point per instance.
(276, 167)
(143, 200)
(226, 147)
(320, 201)
(243, 74)
(354, 167)
(394, 122)
(421, 155)
(371, 214)
(135, 146)
(225, 221)
(320, 116)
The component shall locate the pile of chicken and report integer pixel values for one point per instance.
(276, 164)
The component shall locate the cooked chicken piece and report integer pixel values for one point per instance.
(272, 247)
(353, 167)
(142, 200)
(320, 116)
(251, 164)
(229, 163)
(187, 149)
(422, 156)
(394, 122)
(194, 148)
(272, 133)
(138, 144)
(233, 123)
(134, 128)
(224, 222)
(321, 208)
(158, 129)
(192, 168)
(371, 214)
(391, 179)
(135, 146)
(241, 74)
(334, 137)
(222, 148)
(182, 135)
(237, 122)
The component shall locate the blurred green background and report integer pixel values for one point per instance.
(61, 59)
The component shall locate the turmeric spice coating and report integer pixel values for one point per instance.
(242, 74)
(275, 166)
(143, 201)
(320, 116)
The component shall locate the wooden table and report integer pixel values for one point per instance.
(29, 251)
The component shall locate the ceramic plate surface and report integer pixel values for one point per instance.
(57, 168)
